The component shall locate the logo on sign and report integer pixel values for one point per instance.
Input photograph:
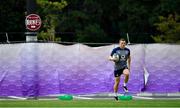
(33, 22)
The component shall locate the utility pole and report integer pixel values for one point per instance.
(31, 36)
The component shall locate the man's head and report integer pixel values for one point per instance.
(122, 43)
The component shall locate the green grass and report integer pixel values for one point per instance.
(90, 103)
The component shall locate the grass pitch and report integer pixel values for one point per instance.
(89, 103)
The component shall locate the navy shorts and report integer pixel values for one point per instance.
(117, 73)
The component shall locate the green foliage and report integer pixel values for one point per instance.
(108, 19)
(75, 20)
(48, 7)
(48, 35)
(114, 17)
(169, 28)
(91, 33)
(50, 21)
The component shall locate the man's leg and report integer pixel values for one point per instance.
(116, 85)
(126, 74)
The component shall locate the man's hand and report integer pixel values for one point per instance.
(110, 58)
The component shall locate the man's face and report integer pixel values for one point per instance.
(122, 44)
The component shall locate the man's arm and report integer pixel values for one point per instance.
(110, 58)
(129, 62)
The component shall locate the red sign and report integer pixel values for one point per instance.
(33, 22)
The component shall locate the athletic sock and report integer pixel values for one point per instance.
(115, 94)
(124, 84)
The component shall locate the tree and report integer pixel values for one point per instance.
(49, 12)
(92, 33)
(71, 18)
(169, 28)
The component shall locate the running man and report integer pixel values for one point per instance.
(122, 66)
